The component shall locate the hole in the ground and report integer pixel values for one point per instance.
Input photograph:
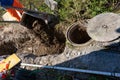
(51, 40)
(7, 48)
(77, 34)
(47, 40)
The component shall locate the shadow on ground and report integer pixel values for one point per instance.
(102, 60)
(106, 60)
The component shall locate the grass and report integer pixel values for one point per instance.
(71, 11)
(75, 9)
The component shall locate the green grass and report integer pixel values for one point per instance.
(74, 10)
(71, 11)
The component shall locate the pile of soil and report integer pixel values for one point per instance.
(46, 40)
(41, 40)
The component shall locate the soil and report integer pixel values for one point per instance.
(7, 48)
(29, 45)
(46, 39)
(41, 40)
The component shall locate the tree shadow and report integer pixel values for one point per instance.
(102, 60)
(106, 60)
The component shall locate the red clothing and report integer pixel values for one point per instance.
(13, 12)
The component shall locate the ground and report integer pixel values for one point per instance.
(93, 56)
(35, 49)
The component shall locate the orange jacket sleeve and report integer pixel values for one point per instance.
(14, 12)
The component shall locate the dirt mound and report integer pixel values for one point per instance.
(41, 40)
(46, 40)
(11, 38)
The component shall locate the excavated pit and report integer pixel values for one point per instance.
(41, 40)
(48, 39)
